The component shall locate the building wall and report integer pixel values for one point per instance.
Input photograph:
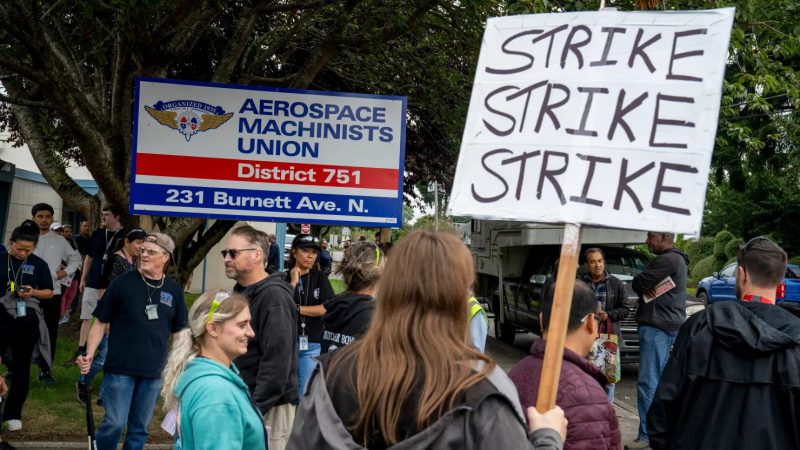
(211, 272)
(25, 194)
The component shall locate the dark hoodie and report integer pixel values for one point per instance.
(269, 368)
(732, 381)
(346, 318)
(668, 311)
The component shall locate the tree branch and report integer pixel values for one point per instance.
(52, 170)
(237, 44)
(24, 102)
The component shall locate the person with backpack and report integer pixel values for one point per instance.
(348, 315)
(202, 382)
(412, 380)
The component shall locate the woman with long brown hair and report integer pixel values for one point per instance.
(412, 380)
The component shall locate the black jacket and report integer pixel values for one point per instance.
(346, 318)
(667, 312)
(269, 368)
(732, 382)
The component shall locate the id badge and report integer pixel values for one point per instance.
(302, 343)
(22, 308)
(151, 311)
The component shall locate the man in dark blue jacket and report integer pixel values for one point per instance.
(733, 379)
(662, 311)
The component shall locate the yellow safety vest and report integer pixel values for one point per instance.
(475, 308)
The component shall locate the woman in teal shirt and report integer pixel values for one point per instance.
(214, 404)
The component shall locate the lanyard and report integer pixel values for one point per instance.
(756, 298)
(147, 287)
(301, 290)
(11, 271)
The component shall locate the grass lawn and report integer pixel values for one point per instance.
(337, 285)
(53, 413)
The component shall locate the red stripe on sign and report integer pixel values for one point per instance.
(265, 171)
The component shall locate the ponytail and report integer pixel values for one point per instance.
(212, 306)
(184, 349)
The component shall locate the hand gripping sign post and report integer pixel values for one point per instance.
(285, 155)
(605, 118)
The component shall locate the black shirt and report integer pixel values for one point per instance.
(83, 244)
(137, 346)
(312, 289)
(33, 272)
(102, 245)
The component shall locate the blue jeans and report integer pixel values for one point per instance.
(97, 363)
(305, 366)
(127, 400)
(610, 389)
(654, 347)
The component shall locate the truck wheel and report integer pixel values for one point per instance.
(703, 297)
(504, 331)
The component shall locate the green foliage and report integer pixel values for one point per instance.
(720, 242)
(732, 247)
(699, 249)
(705, 267)
(795, 260)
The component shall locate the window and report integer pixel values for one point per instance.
(728, 271)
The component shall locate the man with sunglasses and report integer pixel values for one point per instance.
(269, 368)
(143, 308)
(733, 379)
(661, 287)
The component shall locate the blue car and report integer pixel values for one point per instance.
(721, 286)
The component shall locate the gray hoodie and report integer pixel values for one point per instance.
(495, 421)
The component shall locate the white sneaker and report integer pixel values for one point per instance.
(14, 425)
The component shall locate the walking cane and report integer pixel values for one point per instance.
(89, 413)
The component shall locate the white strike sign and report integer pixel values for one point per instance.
(604, 118)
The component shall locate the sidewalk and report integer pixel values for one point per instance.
(628, 417)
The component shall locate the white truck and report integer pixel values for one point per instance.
(514, 259)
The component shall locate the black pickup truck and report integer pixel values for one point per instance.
(523, 295)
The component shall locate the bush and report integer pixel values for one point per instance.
(795, 260)
(699, 249)
(720, 244)
(732, 247)
(704, 267)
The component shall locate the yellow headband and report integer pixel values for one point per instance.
(218, 299)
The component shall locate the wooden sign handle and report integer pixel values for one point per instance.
(559, 317)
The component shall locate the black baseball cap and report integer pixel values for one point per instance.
(306, 241)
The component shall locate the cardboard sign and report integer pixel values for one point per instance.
(288, 155)
(604, 118)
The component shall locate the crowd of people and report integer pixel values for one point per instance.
(394, 361)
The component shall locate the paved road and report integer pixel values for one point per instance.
(624, 403)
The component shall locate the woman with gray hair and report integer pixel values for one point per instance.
(348, 315)
(202, 383)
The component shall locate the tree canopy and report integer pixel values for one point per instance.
(68, 69)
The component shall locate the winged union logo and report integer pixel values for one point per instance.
(189, 117)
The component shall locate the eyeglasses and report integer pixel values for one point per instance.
(234, 252)
(746, 246)
(150, 251)
(138, 231)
